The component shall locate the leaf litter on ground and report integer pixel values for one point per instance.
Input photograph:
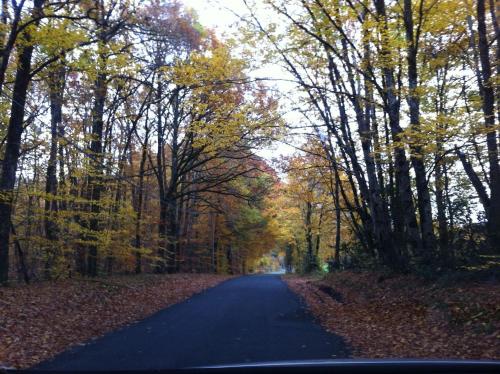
(405, 316)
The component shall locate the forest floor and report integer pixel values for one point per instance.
(407, 316)
(40, 320)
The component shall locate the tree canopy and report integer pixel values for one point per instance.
(130, 137)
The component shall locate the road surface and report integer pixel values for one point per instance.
(244, 320)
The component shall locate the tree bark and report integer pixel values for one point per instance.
(401, 165)
(318, 236)
(417, 158)
(56, 83)
(310, 259)
(488, 104)
(172, 198)
(161, 265)
(13, 145)
(9, 44)
(139, 204)
(337, 222)
(23, 269)
(441, 208)
(476, 182)
(95, 177)
(496, 28)
(379, 213)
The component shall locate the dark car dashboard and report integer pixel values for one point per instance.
(361, 367)
(323, 366)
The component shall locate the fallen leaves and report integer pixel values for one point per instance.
(43, 319)
(406, 317)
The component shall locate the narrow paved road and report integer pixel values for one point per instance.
(247, 319)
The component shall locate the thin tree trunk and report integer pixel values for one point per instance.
(172, 198)
(56, 84)
(160, 174)
(310, 260)
(139, 205)
(8, 45)
(213, 246)
(476, 182)
(337, 222)
(417, 158)
(95, 177)
(318, 235)
(23, 269)
(441, 207)
(494, 6)
(229, 257)
(172, 233)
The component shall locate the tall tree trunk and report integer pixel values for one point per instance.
(213, 244)
(379, 213)
(318, 235)
(229, 258)
(494, 7)
(288, 258)
(161, 265)
(13, 144)
(337, 222)
(95, 177)
(401, 165)
(56, 83)
(160, 175)
(417, 158)
(488, 102)
(139, 204)
(440, 172)
(8, 42)
(441, 206)
(172, 233)
(310, 259)
(172, 198)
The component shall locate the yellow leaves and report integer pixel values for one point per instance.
(116, 223)
(56, 36)
(307, 187)
(210, 67)
(111, 58)
(444, 17)
(4, 29)
(223, 107)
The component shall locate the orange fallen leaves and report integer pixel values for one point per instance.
(405, 317)
(43, 319)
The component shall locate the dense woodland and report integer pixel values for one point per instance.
(401, 104)
(130, 136)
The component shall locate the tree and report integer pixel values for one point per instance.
(365, 73)
(13, 143)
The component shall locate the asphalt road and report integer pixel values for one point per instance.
(244, 320)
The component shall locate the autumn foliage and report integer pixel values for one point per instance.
(404, 316)
(139, 146)
(131, 141)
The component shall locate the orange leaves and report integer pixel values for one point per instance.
(43, 319)
(404, 317)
